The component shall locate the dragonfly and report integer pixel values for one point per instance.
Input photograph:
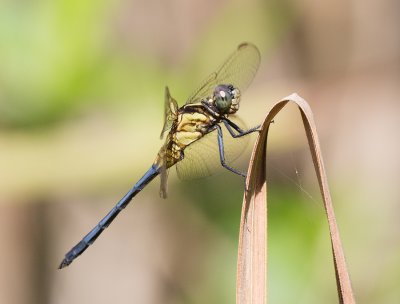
(212, 106)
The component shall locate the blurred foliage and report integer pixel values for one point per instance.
(57, 57)
(61, 57)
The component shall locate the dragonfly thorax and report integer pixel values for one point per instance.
(226, 99)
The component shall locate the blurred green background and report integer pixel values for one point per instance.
(81, 101)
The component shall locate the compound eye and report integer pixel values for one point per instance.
(222, 98)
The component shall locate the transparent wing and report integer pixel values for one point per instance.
(163, 182)
(170, 112)
(162, 163)
(201, 158)
(239, 70)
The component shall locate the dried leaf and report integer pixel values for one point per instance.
(251, 284)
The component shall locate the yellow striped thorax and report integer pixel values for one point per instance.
(193, 120)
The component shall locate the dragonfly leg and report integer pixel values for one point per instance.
(222, 153)
(231, 126)
(209, 109)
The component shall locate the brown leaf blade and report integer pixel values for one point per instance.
(251, 280)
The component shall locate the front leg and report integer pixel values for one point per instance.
(230, 125)
(222, 152)
(209, 109)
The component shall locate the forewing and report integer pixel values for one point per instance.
(170, 112)
(201, 158)
(239, 70)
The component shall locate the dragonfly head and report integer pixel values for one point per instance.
(226, 99)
